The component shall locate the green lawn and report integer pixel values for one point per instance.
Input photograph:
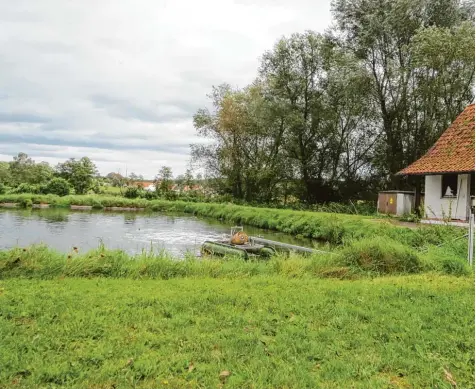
(267, 331)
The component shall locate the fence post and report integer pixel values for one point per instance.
(471, 238)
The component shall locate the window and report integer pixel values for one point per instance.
(449, 185)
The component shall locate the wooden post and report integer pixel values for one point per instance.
(471, 238)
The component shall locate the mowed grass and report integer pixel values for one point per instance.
(266, 331)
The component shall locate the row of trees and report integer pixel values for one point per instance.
(336, 115)
(25, 175)
(131, 185)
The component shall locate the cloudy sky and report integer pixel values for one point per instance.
(119, 80)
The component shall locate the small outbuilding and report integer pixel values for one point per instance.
(396, 202)
(448, 168)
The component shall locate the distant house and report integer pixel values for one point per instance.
(146, 185)
(448, 168)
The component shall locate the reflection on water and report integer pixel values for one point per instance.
(132, 232)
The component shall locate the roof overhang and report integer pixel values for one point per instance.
(434, 173)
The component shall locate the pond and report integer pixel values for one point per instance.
(132, 232)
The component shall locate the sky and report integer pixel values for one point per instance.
(120, 81)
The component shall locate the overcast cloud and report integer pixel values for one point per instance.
(119, 81)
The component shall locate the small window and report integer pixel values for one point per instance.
(449, 185)
(471, 188)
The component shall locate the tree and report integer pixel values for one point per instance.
(244, 158)
(188, 179)
(21, 169)
(163, 180)
(79, 173)
(41, 173)
(116, 179)
(5, 174)
(294, 73)
(421, 78)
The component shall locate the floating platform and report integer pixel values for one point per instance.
(242, 246)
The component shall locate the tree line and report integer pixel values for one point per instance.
(24, 175)
(334, 116)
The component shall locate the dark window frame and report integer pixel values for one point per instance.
(450, 180)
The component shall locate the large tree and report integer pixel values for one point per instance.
(420, 56)
(244, 158)
(79, 173)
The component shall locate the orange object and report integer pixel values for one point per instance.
(239, 238)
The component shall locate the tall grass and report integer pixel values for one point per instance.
(368, 257)
(331, 227)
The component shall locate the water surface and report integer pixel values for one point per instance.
(133, 232)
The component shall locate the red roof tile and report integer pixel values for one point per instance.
(452, 153)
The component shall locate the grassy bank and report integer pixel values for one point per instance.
(265, 331)
(366, 258)
(331, 227)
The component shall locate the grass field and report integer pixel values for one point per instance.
(267, 332)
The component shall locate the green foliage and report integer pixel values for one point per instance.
(26, 203)
(132, 192)
(80, 174)
(26, 188)
(381, 256)
(58, 186)
(5, 173)
(163, 180)
(3, 188)
(150, 195)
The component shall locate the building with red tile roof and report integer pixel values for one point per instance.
(448, 168)
(452, 153)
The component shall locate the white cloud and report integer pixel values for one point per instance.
(120, 81)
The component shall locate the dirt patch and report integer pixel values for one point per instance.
(82, 207)
(8, 205)
(123, 209)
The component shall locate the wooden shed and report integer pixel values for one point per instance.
(396, 202)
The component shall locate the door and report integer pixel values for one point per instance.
(387, 203)
(382, 203)
(391, 203)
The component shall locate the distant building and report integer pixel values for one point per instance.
(448, 168)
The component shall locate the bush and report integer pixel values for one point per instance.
(150, 195)
(58, 186)
(3, 188)
(26, 203)
(132, 192)
(383, 256)
(26, 188)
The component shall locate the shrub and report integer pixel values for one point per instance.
(3, 188)
(150, 195)
(96, 204)
(26, 203)
(58, 186)
(26, 188)
(132, 192)
(378, 255)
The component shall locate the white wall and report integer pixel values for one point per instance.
(438, 207)
(404, 203)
